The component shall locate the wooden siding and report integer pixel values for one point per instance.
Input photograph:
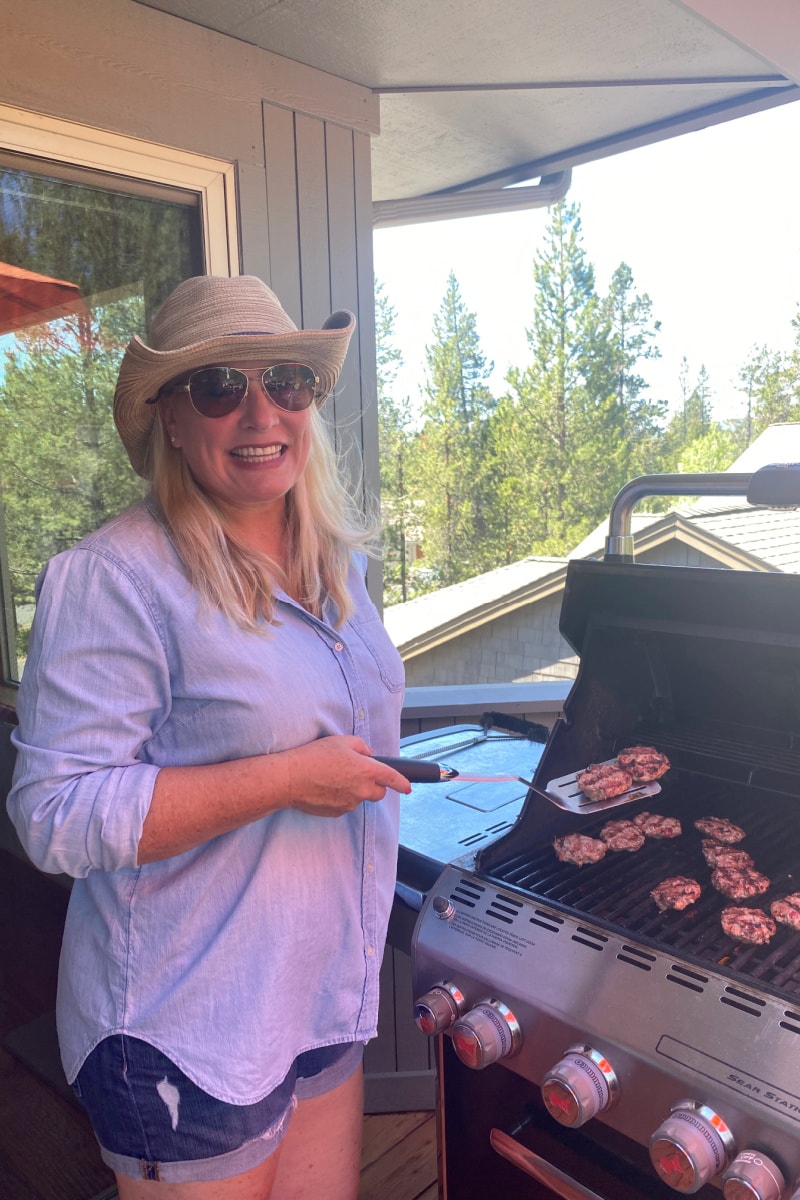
(128, 68)
(523, 646)
(398, 1064)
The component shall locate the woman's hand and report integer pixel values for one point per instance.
(333, 775)
(327, 778)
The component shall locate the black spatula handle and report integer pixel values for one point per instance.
(416, 770)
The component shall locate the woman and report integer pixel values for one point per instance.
(206, 682)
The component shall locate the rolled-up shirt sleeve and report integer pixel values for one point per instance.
(95, 688)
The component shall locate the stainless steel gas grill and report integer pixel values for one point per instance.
(596, 1046)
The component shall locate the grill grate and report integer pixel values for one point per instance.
(616, 891)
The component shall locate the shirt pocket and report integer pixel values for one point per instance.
(387, 658)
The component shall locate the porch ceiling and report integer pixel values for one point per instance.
(476, 93)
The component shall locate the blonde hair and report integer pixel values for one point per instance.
(324, 526)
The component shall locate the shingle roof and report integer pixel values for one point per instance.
(450, 608)
(771, 534)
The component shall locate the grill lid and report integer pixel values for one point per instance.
(702, 664)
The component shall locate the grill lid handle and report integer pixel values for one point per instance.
(776, 485)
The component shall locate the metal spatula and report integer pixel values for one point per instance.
(563, 792)
(420, 770)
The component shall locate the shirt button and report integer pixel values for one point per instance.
(370, 868)
(338, 646)
(361, 714)
(371, 951)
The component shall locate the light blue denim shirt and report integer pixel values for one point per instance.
(242, 953)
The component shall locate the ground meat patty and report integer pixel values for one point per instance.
(739, 883)
(676, 892)
(578, 849)
(602, 781)
(653, 825)
(787, 910)
(717, 854)
(622, 835)
(720, 828)
(751, 925)
(644, 763)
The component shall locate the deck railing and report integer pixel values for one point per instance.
(465, 704)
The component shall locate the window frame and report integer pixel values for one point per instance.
(64, 145)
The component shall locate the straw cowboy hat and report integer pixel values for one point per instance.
(208, 319)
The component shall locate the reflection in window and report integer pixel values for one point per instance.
(83, 266)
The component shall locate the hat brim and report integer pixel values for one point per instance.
(144, 371)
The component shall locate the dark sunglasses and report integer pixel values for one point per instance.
(218, 391)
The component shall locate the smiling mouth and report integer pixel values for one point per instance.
(259, 453)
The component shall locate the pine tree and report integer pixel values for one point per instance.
(753, 375)
(771, 382)
(693, 421)
(633, 334)
(450, 460)
(394, 434)
(563, 408)
(63, 468)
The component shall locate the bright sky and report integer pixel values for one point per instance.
(709, 224)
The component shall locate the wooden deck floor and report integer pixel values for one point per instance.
(399, 1157)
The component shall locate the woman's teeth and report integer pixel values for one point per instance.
(258, 453)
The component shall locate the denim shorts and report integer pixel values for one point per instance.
(152, 1122)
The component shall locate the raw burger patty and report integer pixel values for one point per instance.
(644, 763)
(655, 826)
(601, 781)
(719, 828)
(748, 925)
(739, 883)
(578, 849)
(622, 835)
(717, 854)
(676, 892)
(787, 910)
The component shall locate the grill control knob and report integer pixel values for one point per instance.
(753, 1176)
(444, 908)
(692, 1146)
(579, 1087)
(437, 1009)
(488, 1031)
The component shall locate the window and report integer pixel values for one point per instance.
(86, 256)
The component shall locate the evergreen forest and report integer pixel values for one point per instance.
(471, 481)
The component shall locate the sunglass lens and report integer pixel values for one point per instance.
(217, 391)
(291, 386)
